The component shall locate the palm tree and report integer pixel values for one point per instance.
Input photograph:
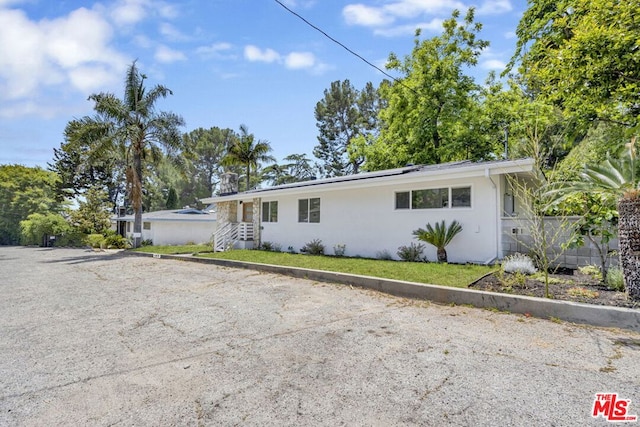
(440, 236)
(617, 178)
(248, 153)
(133, 125)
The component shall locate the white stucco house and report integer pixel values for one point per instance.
(378, 211)
(171, 227)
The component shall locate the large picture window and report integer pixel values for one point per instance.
(270, 211)
(434, 198)
(309, 210)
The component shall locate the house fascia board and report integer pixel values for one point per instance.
(473, 170)
(174, 219)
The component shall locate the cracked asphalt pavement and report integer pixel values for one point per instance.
(100, 338)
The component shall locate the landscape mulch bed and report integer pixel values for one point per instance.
(567, 286)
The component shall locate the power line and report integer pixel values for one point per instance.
(345, 47)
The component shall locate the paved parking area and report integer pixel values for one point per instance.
(97, 338)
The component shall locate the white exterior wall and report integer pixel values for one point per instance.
(178, 232)
(366, 221)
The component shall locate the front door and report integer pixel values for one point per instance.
(247, 212)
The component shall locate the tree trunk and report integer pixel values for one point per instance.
(442, 255)
(136, 197)
(629, 235)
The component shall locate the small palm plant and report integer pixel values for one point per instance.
(439, 236)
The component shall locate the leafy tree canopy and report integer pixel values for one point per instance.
(429, 112)
(25, 191)
(344, 114)
(584, 56)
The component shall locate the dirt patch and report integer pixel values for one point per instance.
(567, 286)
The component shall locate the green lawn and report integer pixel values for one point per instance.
(437, 274)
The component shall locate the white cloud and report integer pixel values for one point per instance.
(413, 8)
(172, 33)
(409, 29)
(166, 55)
(40, 54)
(299, 60)
(494, 7)
(255, 54)
(360, 14)
(129, 12)
(493, 64)
(220, 50)
(291, 61)
(402, 17)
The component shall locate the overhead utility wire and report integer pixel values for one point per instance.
(346, 48)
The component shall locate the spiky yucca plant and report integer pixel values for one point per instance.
(439, 236)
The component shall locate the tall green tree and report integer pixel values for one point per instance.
(584, 56)
(133, 125)
(342, 115)
(427, 107)
(25, 191)
(80, 169)
(248, 153)
(92, 215)
(204, 150)
(297, 167)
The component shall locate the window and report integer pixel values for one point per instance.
(146, 225)
(430, 199)
(128, 227)
(309, 210)
(434, 198)
(270, 211)
(461, 197)
(402, 200)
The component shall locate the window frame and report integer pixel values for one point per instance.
(307, 212)
(268, 214)
(449, 202)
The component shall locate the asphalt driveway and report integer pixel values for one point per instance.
(97, 338)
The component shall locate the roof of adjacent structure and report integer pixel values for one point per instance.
(496, 167)
(187, 214)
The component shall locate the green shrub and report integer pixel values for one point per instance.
(73, 238)
(149, 242)
(411, 253)
(37, 226)
(384, 255)
(591, 270)
(314, 247)
(615, 279)
(115, 241)
(94, 240)
(339, 249)
(271, 247)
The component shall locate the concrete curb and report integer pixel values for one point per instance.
(596, 315)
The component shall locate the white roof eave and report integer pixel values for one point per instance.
(521, 166)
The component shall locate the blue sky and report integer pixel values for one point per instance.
(228, 62)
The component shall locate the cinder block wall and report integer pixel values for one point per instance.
(516, 238)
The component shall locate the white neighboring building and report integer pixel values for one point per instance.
(378, 211)
(172, 227)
